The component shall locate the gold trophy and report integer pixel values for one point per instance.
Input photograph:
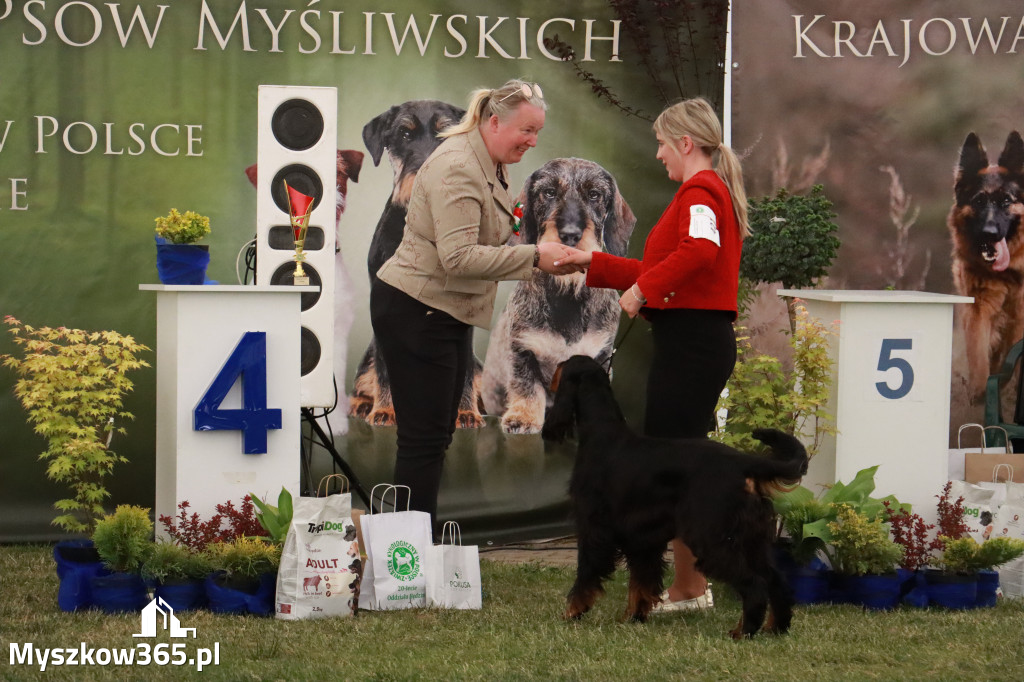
(300, 207)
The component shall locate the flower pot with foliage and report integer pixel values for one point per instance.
(865, 559)
(245, 576)
(78, 563)
(124, 541)
(955, 580)
(179, 260)
(179, 575)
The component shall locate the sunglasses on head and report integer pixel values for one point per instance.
(528, 91)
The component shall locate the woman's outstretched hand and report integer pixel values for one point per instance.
(559, 259)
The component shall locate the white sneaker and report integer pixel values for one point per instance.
(700, 603)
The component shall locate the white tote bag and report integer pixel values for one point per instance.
(397, 544)
(320, 567)
(453, 576)
(1009, 523)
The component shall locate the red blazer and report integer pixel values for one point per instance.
(680, 270)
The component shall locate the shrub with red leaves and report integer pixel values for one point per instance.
(910, 531)
(196, 534)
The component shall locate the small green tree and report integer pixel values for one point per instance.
(763, 394)
(71, 383)
(793, 240)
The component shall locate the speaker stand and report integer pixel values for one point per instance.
(325, 443)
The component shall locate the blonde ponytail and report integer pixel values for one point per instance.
(697, 118)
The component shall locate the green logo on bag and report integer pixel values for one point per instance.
(403, 560)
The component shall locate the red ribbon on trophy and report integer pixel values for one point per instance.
(300, 207)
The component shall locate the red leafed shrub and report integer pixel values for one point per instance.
(227, 524)
(951, 518)
(910, 531)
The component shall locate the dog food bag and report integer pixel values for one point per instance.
(320, 566)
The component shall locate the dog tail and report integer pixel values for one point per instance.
(786, 464)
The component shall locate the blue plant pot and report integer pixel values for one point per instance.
(119, 592)
(876, 592)
(809, 585)
(951, 590)
(988, 583)
(913, 588)
(77, 564)
(250, 596)
(183, 595)
(181, 263)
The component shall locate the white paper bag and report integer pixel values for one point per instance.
(1009, 523)
(453, 575)
(320, 567)
(978, 508)
(397, 544)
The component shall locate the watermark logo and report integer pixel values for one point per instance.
(403, 560)
(170, 621)
(157, 615)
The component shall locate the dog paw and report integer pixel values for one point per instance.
(360, 406)
(382, 418)
(469, 420)
(517, 425)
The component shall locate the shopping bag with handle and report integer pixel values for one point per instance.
(453, 575)
(397, 544)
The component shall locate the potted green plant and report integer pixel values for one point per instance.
(275, 520)
(957, 582)
(179, 260)
(864, 558)
(178, 575)
(762, 393)
(72, 383)
(245, 575)
(805, 533)
(123, 540)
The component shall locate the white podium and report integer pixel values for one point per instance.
(890, 394)
(228, 412)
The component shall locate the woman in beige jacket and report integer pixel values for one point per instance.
(442, 279)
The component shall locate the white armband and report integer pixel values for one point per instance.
(703, 224)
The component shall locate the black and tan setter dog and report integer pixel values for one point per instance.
(633, 494)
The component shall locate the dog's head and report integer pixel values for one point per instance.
(577, 203)
(989, 202)
(409, 132)
(580, 373)
(349, 162)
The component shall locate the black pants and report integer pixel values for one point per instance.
(694, 354)
(427, 353)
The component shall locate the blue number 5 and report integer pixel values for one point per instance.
(886, 362)
(248, 362)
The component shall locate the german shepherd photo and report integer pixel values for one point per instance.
(988, 254)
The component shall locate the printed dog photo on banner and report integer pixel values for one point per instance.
(550, 318)
(408, 132)
(988, 254)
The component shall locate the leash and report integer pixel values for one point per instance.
(607, 364)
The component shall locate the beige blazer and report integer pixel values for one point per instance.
(453, 250)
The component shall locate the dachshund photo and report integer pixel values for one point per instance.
(631, 495)
(408, 132)
(549, 318)
(349, 162)
(988, 254)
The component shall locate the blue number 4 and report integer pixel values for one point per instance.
(248, 362)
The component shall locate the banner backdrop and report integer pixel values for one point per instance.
(884, 104)
(111, 114)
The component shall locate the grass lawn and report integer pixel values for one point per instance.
(519, 635)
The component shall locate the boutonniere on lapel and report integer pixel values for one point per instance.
(517, 216)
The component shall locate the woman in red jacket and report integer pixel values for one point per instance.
(686, 286)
